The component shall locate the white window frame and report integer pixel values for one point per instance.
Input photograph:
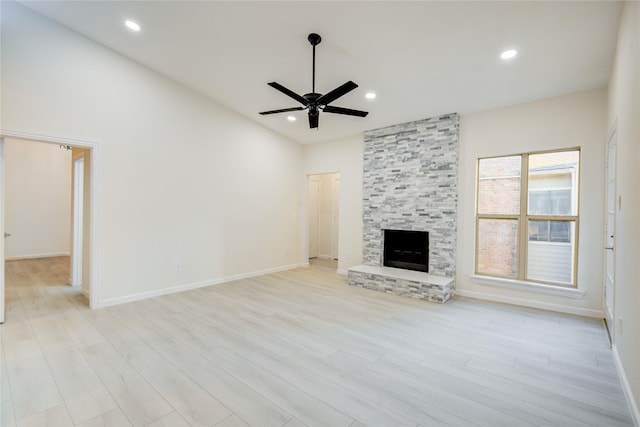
(523, 222)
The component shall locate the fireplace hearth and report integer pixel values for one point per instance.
(406, 249)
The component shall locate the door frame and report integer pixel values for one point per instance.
(2, 229)
(94, 211)
(310, 212)
(77, 247)
(609, 240)
(334, 250)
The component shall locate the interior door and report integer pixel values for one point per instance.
(314, 192)
(335, 216)
(2, 230)
(610, 252)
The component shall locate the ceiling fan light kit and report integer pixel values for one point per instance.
(316, 102)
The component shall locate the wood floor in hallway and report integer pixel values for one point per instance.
(295, 348)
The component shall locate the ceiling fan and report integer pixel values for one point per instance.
(317, 102)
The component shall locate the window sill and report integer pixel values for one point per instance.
(528, 286)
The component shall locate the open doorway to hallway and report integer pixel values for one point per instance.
(324, 209)
(45, 202)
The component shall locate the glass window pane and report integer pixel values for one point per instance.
(552, 183)
(550, 231)
(499, 185)
(539, 231)
(538, 203)
(498, 247)
(560, 231)
(552, 261)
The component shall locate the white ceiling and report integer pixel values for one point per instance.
(421, 58)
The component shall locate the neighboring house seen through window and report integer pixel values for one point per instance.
(527, 222)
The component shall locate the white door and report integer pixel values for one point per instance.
(610, 254)
(78, 221)
(314, 193)
(335, 215)
(2, 230)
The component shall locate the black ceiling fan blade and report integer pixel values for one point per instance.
(289, 93)
(346, 111)
(283, 110)
(313, 120)
(336, 93)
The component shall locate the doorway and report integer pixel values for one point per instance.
(87, 208)
(610, 253)
(324, 214)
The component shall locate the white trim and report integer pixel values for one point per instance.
(6, 133)
(522, 285)
(95, 184)
(2, 230)
(323, 256)
(190, 286)
(35, 256)
(342, 271)
(587, 312)
(626, 387)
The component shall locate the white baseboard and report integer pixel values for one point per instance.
(628, 393)
(587, 312)
(342, 271)
(180, 288)
(50, 255)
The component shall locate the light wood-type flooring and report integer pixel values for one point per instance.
(291, 349)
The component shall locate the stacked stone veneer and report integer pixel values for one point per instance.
(415, 285)
(410, 183)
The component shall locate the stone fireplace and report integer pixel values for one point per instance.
(410, 184)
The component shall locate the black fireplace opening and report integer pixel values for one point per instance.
(406, 249)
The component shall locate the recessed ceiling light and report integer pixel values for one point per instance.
(508, 54)
(132, 25)
(291, 118)
(370, 95)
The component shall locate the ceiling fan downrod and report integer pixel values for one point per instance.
(314, 39)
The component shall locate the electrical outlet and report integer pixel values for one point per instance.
(178, 267)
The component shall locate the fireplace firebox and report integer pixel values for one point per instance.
(406, 249)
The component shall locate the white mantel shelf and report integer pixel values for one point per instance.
(414, 284)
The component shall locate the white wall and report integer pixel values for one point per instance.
(37, 199)
(343, 156)
(576, 120)
(624, 108)
(181, 180)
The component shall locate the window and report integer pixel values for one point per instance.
(527, 217)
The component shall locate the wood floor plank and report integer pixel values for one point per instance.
(190, 400)
(296, 401)
(596, 407)
(350, 403)
(295, 348)
(359, 378)
(248, 404)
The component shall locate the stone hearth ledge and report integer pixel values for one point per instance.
(414, 284)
